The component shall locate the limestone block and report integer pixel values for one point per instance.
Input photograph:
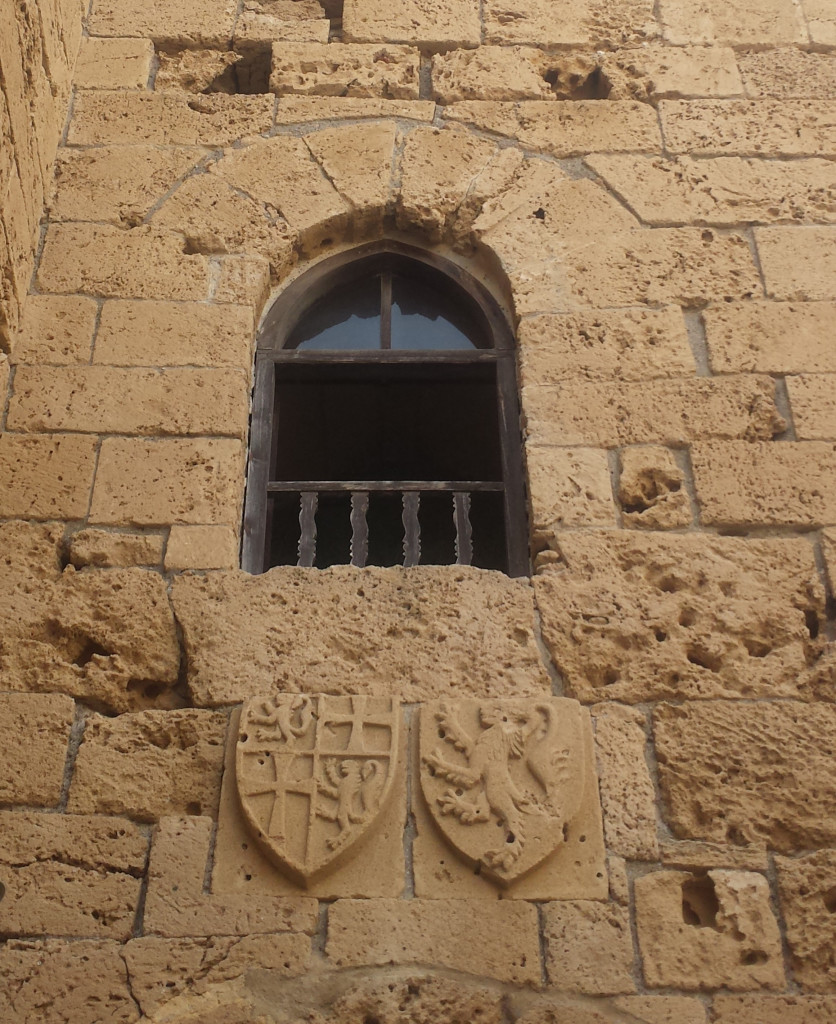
(435, 24)
(675, 411)
(565, 129)
(163, 969)
(150, 764)
(253, 28)
(651, 489)
(740, 22)
(174, 334)
(759, 128)
(201, 71)
(663, 1009)
(639, 1010)
(201, 547)
(345, 69)
(495, 939)
(740, 483)
(627, 792)
(807, 886)
(37, 730)
(813, 404)
(672, 72)
(695, 856)
(243, 281)
(638, 617)
(215, 218)
(104, 549)
(281, 171)
(301, 109)
(113, 63)
(773, 1009)
(686, 266)
(489, 73)
(821, 22)
(747, 774)
(172, 480)
(358, 160)
(588, 947)
(110, 400)
(724, 191)
(771, 337)
(549, 849)
(53, 982)
(568, 487)
(46, 477)
(433, 631)
(788, 73)
(56, 329)
(196, 23)
(630, 344)
(119, 184)
(798, 263)
(708, 931)
(65, 875)
(140, 263)
(166, 118)
(533, 22)
(177, 906)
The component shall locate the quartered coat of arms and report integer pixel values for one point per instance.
(503, 779)
(313, 773)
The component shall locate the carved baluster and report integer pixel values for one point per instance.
(411, 528)
(307, 521)
(359, 528)
(464, 530)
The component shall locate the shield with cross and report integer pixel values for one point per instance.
(313, 773)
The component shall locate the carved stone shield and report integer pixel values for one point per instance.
(504, 779)
(313, 773)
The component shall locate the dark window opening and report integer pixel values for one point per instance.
(385, 422)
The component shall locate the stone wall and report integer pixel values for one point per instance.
(650, 189)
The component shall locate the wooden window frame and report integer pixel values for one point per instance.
(284, 315)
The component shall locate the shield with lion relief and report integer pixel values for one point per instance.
(313, 773)
(504, 779)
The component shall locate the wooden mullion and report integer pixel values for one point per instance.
(516, 520)
(464, 528)
(393, 486)
(386, 311)
(255, 535)
(359, 528)
(411, 527)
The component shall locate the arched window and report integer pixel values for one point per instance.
(385, 426)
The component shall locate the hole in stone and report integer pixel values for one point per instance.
(88, 652)
(193, 807)
(567, 85)
(699, 902)
(244, 737)
(540, 213)
(565, 833)
(811, 621)
(669, 585)
(510, 838)
(829, 899)
(755, 956)
(756, 648)
(660, 635)
(687, 617)
(2, 890)
(704, 659)
(610, 676)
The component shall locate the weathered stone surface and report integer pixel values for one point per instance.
(663, 72)
(740, 483)
(820, 21)
(788, 73)
(808, 900)
(173, 480)
(737, 22)
(771, 337)
(299, 109)
(568, 487)
(434, 632)
(489, 73)
(748, 773)
(627, 793)
(561, 1009)
(203, 71)
(495, 939)
(651, 489)
(588, 947)
(177, 906)
(149, 764)
(116, 183)
(167, 118)
(828, 544)
(109, 400)
(163, 969)
(66, 875)
(813, 404)
(708, 931)
(773, 1009)
(34, 753)
(725, 191)
(663, 1009)
(139, 263)
(53, 982)
(634, 617)
(197, 23)
(56, 329)
(328, 69)
(798, 263)
(630, 344)
(113, 63)
(696, 856)
(174, 334)
(432, 23)
(108, 638)
(106, 550)
(254, 27)
(677, 411)
(201, 547)
(46, 477)
(749, 127)
(580, 23)
(566, 129)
